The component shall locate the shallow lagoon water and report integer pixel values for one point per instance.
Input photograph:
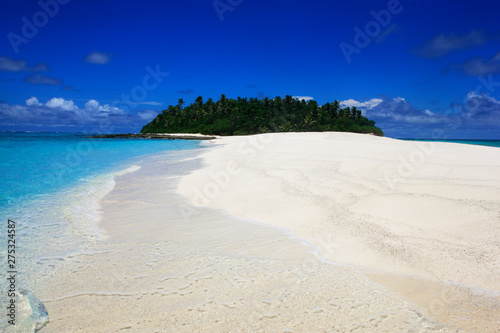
(51, 186)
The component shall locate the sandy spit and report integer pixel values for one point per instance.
(420, 218)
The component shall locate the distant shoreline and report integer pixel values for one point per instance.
(476, 142)
(198, 136)
(161, 136)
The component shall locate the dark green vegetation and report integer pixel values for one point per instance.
(251, 116)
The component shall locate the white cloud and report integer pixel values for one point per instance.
(368, 104)
(61, 103)
(477, 117)
(32, 101)
(305, 98)
(97, 57)
(147, 115)
(393, 110)
(58, 112)
(92, 104)
(481, 108)
(94, 109)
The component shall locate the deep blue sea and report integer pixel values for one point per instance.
(51, 184)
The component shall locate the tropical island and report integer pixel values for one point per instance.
(245, 116)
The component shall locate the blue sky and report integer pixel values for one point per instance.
(418, 68)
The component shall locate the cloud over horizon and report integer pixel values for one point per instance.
(61, 114)
(476, 116)
(481, 109)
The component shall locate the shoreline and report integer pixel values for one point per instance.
(161, 136)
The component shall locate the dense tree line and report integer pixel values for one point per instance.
(243, 116)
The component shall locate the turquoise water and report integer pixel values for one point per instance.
(490, 143)
(51, 185)
(34, 164)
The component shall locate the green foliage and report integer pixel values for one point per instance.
(245, 116)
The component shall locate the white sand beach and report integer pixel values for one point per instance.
(411, 209)
(295, 232)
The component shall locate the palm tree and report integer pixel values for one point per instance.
(199, 101)
(181, 103)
